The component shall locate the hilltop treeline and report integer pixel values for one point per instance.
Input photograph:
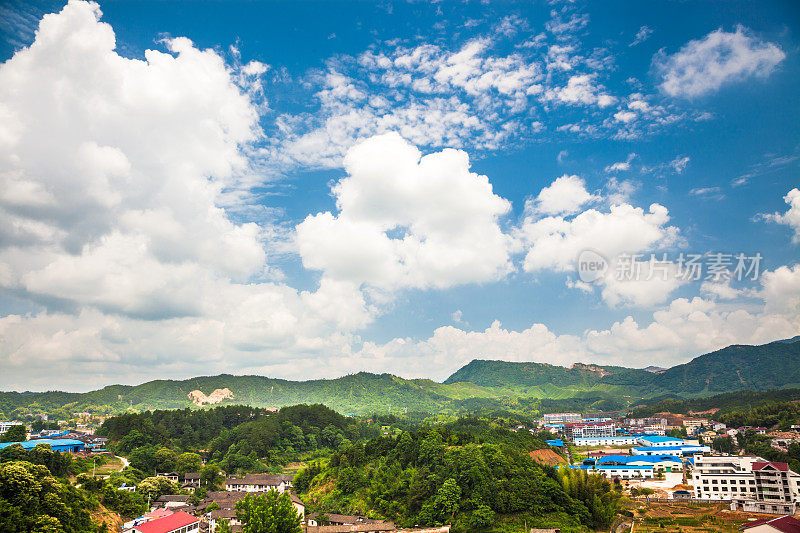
(186, 428)
(236, 438)
(468, 473)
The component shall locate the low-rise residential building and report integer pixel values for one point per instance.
(619, 471)
(694, 424)
(173, 500)
(332, 519)
(172, 476)
(259, 483)
(191, 479)
(749, 482)
(179, 522)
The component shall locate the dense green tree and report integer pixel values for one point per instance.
(188, 462)
(270, 512)
(32, 500)
(14, 434)
(724, 445)
(153, 487)
(165, 460)
(211, 476)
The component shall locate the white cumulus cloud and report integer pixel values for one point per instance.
(407, 220)
(721, 57)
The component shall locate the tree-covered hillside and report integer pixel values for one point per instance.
(770, 366)
(523, 388)
(468, 474)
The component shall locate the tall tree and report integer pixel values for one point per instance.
(271, 512)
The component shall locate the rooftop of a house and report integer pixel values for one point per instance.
(260, 479)
(786, 524)
(227, 499)
(767, 465)
(346, 518)
(227, 514)
(354, 528)
(158, 513)
(173, 498)
(167, 524)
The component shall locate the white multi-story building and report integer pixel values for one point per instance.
(647, 422)
(750, 483)
(5, 426)
(606, 441)
(561, 418)
(590, 430)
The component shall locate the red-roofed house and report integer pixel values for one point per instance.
(785, 524)
(179, 522)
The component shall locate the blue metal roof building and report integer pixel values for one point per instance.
(556, 442)
(57, 445)
(670, 450)
(659, 440)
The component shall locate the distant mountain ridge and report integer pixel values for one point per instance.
(479, 385)
(739, 367)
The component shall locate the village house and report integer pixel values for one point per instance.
(173, 500)
(259, 483)
(332, 519)
(179, 522)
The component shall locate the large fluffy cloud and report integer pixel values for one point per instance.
(555, 232)
(720, 57)
(105, 162)
(112, 176)
(407, 220)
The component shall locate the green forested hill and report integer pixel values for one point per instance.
(479, 385)
(770, 366)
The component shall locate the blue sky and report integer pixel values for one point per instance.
(251, 199)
